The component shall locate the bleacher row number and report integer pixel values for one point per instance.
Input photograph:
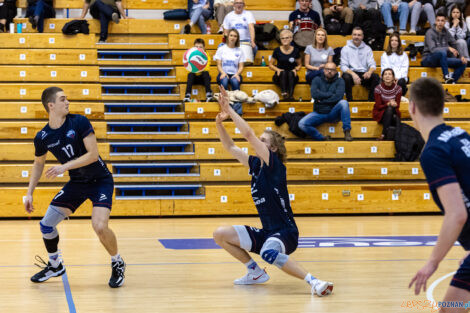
(291, 197)
(200, 110)
(286, 26)
(354, 109)
(373, 149)
(364, 130)
(350, 170)
(22, 40)
(262, 110)
(22, 73)
(84, 73)
(245, 149)
(426, 196)
(237, 131)
(291, 110)
(216, 172)
(86, 92)
(194, 91)
(360, 197)
(413, 59)
(165, 1)
(331, 130)
(308, 150)
(384, 171)
(81, 57)
(340, 149)
(22, 92)
(395, 196)
(268, 128)
(52, 26)
(324, 196)
(249, 74)
(424, 74)
(446, 110)
(223, 199)
(24, 199)
(182, 42)
(22, 56)
(87, 111)
(24, 130)
(52, 40)
(463, 92)
(23, 109)
(414, 171)
(53, 74)
(177, 26)
(254, 92)
(52, 57)
(211, 42)
(205, 130)
(24, 173)
(211, 151)
(316, 171)
(403, 42)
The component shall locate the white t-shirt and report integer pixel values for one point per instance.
(239, 22)
(230, 58)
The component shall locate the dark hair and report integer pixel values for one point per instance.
(456, 6)
(277, 141)
(49, 95)
(237, 43)
(358, 28)
(399, 48)
(440, 13)
(201, 41)
(428, 95)
(388, 69)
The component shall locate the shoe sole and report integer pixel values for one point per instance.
(115, 18)
(117, 286)
(56, 274)
(328, 290)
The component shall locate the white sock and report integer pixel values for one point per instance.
(116, 258)
(54, 259)
(253, 267)
(310, 279)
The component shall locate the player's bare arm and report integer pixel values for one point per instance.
(36, 173)
(227, 141)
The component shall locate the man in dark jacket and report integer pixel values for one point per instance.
(438, 51)
(37, 11)
(327, 91)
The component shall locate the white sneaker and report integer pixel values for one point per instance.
(322, 288)
(251, 279)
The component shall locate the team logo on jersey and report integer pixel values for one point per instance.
(43, 134)
(103, 197)
(71, 134)
(244, 19)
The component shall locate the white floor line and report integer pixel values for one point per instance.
(430, 290)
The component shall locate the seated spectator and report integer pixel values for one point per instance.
(199, 12)
(458, 29)
(397, 60)
(37, 11)
(222, 8)
(230, 59)
(358, 65)
(317, 55)
(316, 6)
(329, 107)
(364, 10)
(387, 102)
(419, 9)
(105, 11)
(244, 22)
(285, 61)
(201, 78)
(7, 13)
(449, 4)
(338, 12)
(438, 45)
(393, 10)
(304, 20)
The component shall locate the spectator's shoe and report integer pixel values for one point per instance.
(412, 32)
(221, 30)
(115, 17)
(2, 28)
(321, 288)
(47, 271)
(117, 275)
(251, 279)
(448, 79)
(402, 31)
(209, 97)
(390, 30)
(187, 29)
(102, 40)
(347, 135)
(187, 98)
(33, 21)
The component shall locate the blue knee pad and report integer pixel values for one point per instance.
(269, 255)
(271, 252)
(49, 222)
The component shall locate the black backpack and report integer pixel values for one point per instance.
(75, 27)
(408, 143)
(374, 34)
(265, 33)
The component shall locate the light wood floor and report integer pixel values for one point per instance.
(367, 280)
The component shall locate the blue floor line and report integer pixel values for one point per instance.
(68, 293)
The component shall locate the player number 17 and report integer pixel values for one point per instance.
(68, 150)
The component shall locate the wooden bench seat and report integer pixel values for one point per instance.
(48, 56)
(27, 73)
(47, 41)
(31, 91)
(35, 110)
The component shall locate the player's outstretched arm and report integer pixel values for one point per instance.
(454, 220)
(227, 141)
(36, 173)
(88, 158)
(245, 129)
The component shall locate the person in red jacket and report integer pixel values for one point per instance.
(387, 102)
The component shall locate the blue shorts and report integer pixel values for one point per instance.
(461, 279)
(99, 191)
(290, 238)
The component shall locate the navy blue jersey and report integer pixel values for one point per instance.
(269, 192)
(66, 144)
(446, 159)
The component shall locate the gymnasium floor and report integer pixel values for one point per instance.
(369, 274)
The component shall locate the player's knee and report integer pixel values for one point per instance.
(219, 234)
(269, 255)
(99, 227)
(48, 232)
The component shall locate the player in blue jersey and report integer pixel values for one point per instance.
(279, 236)
(71, 139)
(446, 163)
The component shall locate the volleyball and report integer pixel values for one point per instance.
(195, 60)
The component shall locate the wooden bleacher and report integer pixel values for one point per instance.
(164, 153)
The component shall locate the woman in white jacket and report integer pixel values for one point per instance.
(458, 29)
(395, 58)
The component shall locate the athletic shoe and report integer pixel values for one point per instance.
(187, 98)
(117, 275)
(390, 30)
(47, 272)
(33, 21)
(115, 17)
(448, 79)
(187, 29)
(251, 279)
(209, 97)
(321, 288)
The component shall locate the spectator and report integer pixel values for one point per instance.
(304, 19)
(7, 13)
(417, 8)
(317, 55)
(393, 10)
(244, 22)
(201, 78)
(222, 8)
(329, 107)
(358, 65)
(467, 14)
(364, 10)
(37, 11)
(105, 11)
(286, 62)
(450, 3)
(387, 102)
(338, 11)
(437, 43)
(199, 12)
(458, 29)
(230, 59)
(397, 60)
(316, 6)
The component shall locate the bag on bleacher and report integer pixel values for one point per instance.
(175, 15)
(408, 143)
(265, 32)
(76, 26)
(374, 34)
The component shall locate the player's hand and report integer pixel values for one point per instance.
(223, 100)
(467, 253)
(422, 277)
(28, 204)
(221, 116)
(55, 171)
